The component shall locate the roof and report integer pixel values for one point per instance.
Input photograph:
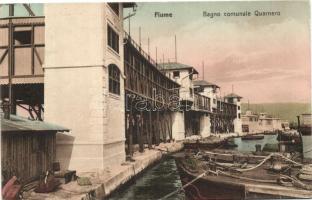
(176, 66)
(233, 95)
(22, 124)
(129, 4)
(204, 83)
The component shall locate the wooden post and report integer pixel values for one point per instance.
(140, 131)
(157, 134)
(150, 130)
(162, 128)
(130, 132)
(170, 126)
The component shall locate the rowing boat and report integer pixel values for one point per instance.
(241, 176)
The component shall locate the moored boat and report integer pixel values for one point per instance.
(222, 175)
(210, 142)
(253, 137)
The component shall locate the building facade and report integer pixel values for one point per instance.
(236, 99)
(259, 123)
(193, 116)
(79, 69)
(84, 82)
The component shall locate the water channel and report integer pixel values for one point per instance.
(163, 178)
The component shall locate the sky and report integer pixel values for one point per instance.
(265, 58)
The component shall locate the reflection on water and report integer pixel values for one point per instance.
(155, 183)
(249, 145)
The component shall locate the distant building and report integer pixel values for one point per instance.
(207, 113)
(194, 117)
(236, 99)
(250, 122)
(209, 89)
(257, 123)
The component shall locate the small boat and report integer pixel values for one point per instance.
(228, 175)
(253, 137)
(210, 142)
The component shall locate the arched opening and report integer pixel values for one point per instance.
(114, 79)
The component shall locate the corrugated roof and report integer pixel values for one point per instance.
(232, 95)
(204, 83)
(22, 124)
(176, 66)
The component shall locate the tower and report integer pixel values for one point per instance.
(84, 82)
(235, 99)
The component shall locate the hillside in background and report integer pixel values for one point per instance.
(286, 111)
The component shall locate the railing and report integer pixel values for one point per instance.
(144, 79)
(140, 50)
(201, 102)
(226, 109)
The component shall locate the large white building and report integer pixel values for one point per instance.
(84, 82)
(258, 123)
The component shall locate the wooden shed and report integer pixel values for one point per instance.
(27, 147)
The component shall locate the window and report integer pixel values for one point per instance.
(22, 37)
(112, 39)
(176, 74)
(238, 107)
(114, 79)
(239, 116)
(198, 89)
(114, 7)
(214, 101)
(191, 91)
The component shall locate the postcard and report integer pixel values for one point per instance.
(156, 100)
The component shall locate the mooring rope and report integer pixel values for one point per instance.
(267, 158)
(184, 186)
(241, 170)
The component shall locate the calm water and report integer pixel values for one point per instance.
(249, 145)
(155, 183)
(163, 178)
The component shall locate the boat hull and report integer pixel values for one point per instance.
(203, 145)
(217, 187)
(209, 189)
(253, 137)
